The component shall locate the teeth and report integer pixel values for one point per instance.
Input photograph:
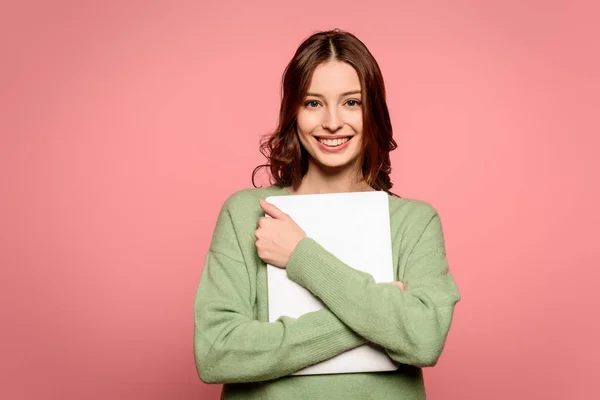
(333, 142)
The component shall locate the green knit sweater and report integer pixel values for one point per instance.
(234, 343)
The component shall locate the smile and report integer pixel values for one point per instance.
(333, 142)
(333, 145)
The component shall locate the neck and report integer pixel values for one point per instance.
(319, 179)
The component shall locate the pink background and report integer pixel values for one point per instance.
(126, 124)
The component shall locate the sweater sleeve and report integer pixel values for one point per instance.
(412, 325)
(232, 346)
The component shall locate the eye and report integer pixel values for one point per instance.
(311, 104)
(353, 103)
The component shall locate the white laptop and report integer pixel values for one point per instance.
(354, 227)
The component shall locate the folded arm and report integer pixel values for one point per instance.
(412, 325)
(232, 346)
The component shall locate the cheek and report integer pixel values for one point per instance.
(355, 121)
(357, 143)
(303, 138)
(307, 122)
(303, 130)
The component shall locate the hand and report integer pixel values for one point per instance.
(399, 284)
(276, 237)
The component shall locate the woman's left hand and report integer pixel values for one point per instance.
(276, 237)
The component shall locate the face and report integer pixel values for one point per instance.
(330, 117)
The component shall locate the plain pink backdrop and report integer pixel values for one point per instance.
(126, 124)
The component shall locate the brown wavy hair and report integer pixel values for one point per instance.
(287, 160)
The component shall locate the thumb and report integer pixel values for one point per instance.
(271, 210)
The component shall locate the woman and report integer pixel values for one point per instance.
(334, 135)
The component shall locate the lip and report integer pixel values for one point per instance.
(332, 149)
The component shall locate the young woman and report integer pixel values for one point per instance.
(334, 135)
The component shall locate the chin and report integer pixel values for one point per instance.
(333, 163)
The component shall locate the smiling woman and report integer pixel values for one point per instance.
(334, 135)
(329, 124)
(334, 123)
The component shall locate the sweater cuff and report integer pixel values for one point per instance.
(308, 261)
(323, 274)
(299, 259)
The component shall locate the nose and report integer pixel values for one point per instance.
(332, 121)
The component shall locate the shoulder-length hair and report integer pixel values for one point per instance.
(287, 160)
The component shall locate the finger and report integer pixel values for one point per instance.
(397, 283)
(271, 210)
(262, 222)
(261, 251)
(260, 232)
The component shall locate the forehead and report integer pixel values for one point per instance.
(334, 77)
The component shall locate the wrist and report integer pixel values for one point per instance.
(297, 260)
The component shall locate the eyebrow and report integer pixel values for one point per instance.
(342, 95)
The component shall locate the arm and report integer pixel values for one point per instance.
(412, 325)
(231, 346)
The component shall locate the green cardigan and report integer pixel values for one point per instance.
(234, 344)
